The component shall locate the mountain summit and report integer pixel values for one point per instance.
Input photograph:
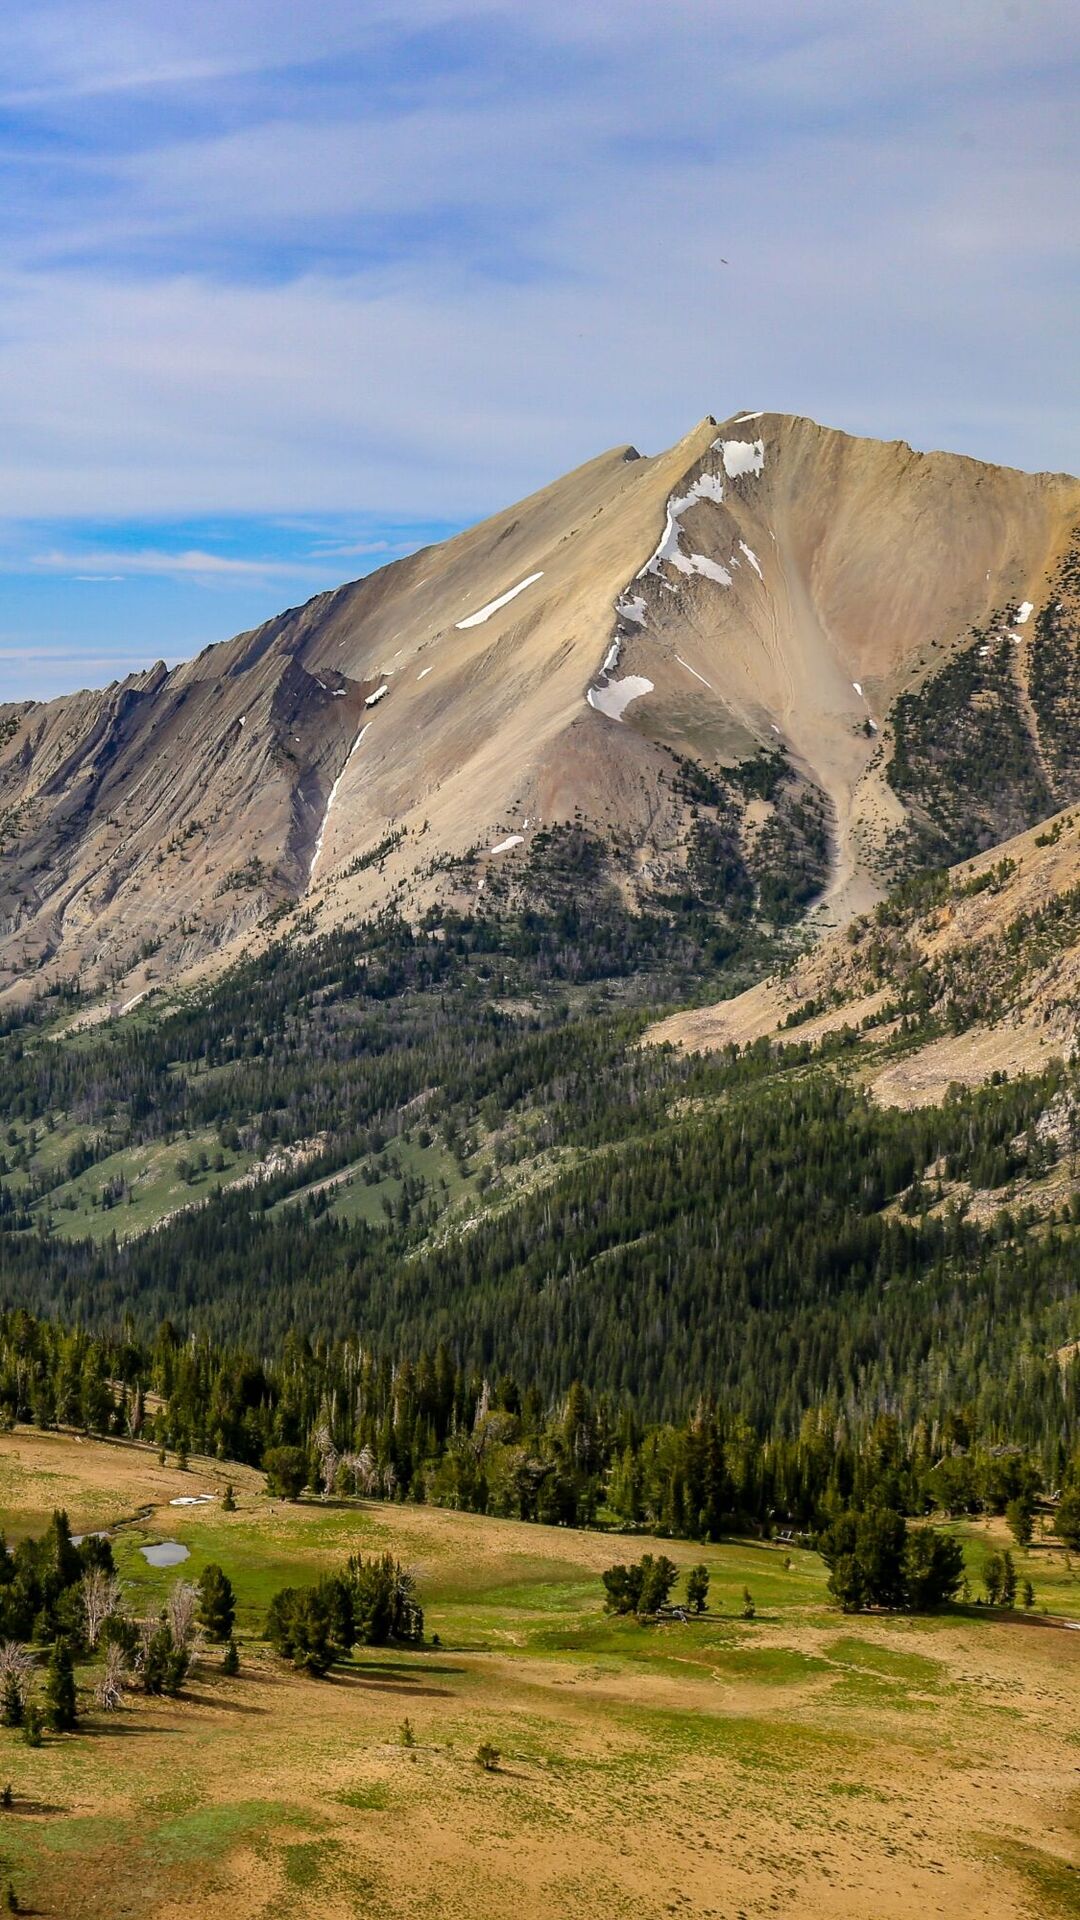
(771, 669)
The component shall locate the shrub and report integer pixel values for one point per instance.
(286, 1471)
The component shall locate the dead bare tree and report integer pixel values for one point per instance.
(17, 1670)
(109, 1692)
(99, 1593)
(181, 1611)
(329, 1459)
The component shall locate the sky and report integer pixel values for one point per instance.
(287, 291)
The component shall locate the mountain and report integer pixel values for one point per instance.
(773, 666)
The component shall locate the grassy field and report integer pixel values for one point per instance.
(800, 1763)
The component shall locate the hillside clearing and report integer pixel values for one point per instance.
(800, 1763)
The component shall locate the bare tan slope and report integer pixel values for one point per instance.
(766, 582)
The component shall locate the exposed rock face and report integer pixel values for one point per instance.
(766, 584)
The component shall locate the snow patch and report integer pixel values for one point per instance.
(504, 846)
(700, 563)
(611, 658)
(614, 699)
(694, 671)
(632, 609)
(380, 693)
(857, 688)
(753, 559)
(423, 673)
(330, 802)
(741, 456)
(707, 486)
(744, 417)
(477, 619)
(1027, 608)
(243, 720)
(338, 693)
(192, 1500)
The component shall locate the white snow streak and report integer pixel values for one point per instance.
(611, 658)
(753, 559)
(330, 801)
(504, 846)
(1027, 607)
(694, 671)
(380, 693)
(632, 609)
(338, 693)
(741, 456)
(424, 671)
(707, 486)
(617, 695)
(857, 688)
(700, 563)
(744, 417)
(485, 613)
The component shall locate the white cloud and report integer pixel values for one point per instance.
(174, 566)
(302, 295)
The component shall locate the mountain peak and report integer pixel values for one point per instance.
(767, 592)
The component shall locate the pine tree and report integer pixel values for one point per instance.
(217, 1603)
(11, 1701)
(60, 1709)
(697, 1588)
(230, 1659)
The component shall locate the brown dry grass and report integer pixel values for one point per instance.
(801, 1764)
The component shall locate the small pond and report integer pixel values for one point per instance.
(164, 1553)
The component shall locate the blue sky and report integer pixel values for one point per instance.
(287, 290)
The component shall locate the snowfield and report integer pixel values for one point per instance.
(741, 456)
(614, 699)
(504, 599)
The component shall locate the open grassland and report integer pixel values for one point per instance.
(801, 1763)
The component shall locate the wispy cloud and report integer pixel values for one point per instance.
(172, 566)
(354, 259)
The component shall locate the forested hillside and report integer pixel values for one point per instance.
(451, 1137)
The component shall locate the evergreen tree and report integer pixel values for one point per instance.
(697, 1588)
(286, 1470)
(1067, 1518)
(11, 1701)
(60, 1703)
(1020, 1518)
(217, 1603)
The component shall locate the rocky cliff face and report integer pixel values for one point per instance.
(774, 665)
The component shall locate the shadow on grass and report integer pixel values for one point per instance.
(120, 1729)
(371, 1683)
(215, 1700)
(401, 1666)
(1006, 1617)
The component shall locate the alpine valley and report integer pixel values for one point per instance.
(576, 1028)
